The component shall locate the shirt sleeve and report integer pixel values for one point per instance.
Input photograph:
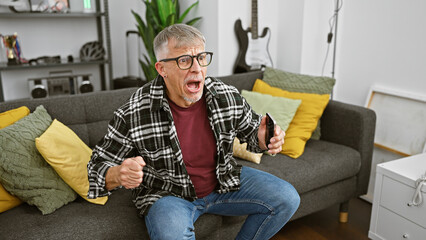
(110, 151)
(248, 128)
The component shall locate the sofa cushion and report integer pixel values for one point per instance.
(23, 171)
(322, 163)
(305, 120)
(294, 82)
(240, 150)
(282, 109)
(7, 201)
(7, 118)
(68, 155)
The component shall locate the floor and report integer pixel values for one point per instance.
(324, 225)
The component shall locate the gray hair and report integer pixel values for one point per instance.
(184, 35)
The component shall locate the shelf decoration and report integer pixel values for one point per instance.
(37, 6)
(87, 6)
(13, 49)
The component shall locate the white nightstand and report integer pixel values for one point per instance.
(392, 216)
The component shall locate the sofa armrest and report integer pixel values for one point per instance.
(352, 126)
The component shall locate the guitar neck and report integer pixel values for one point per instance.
(254, 19)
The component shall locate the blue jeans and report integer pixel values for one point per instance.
(268, 201)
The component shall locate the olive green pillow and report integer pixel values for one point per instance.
(294, 82)
(23, 171)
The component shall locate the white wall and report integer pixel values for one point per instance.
(290, 18)
(382, 42)
(317, 18)
(122, 20)
(209, 21)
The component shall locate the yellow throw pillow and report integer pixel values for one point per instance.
(305, 120)
(68, 155)
(8, 201)
(9, 117)
(240, 150)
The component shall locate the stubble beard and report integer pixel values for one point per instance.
(192, 100)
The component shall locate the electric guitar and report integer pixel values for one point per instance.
(253, 53)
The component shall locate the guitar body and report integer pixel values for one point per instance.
(253, 53)
(243, 41)
(257, 56)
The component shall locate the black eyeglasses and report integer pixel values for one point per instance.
(185, 62)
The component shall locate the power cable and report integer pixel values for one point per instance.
(332, 22)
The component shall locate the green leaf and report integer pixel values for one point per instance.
(171, 19)
(148, 69)
(145, 70)
(139, 20)
(164, 10)
(142, 28)
(152, 14)
(187, 11)
(149, 35)
(177, 7)
(193, 21)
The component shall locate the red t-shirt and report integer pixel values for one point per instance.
(198, 145)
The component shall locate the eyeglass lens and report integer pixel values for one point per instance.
(185, 62)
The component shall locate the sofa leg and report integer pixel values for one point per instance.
(343, 215)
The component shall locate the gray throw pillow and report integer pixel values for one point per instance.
(294, 82)
(24, 172)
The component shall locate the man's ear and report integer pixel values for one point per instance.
(160, 68)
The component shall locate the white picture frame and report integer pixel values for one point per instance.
(401, 120)
(400, 127)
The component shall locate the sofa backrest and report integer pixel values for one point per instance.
(242, 80)
(86, 114)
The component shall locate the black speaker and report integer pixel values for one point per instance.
(84, 85)
(38, 88)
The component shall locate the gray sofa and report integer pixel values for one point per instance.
(331, 171)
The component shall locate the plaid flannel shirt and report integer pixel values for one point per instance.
(144, 127)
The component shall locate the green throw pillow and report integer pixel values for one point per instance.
(23, 171)
(282, 109)
(294, 82)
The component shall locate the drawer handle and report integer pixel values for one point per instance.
(405, 235)
(417, 197)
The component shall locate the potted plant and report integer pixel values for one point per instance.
(159, 14)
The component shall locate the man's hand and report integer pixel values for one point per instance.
(129, 174)
(276, 142)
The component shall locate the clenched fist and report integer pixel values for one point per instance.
(129, 174)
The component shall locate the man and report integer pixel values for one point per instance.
(172, 144)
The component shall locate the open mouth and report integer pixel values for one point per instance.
(193, 86)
